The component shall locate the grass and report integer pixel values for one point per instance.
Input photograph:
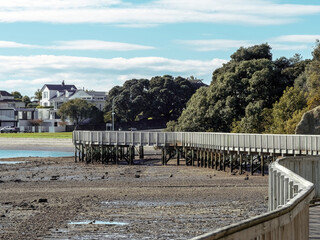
(37, 135)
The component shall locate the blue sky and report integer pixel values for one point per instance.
(97, 44)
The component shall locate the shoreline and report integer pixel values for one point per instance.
(37, 144)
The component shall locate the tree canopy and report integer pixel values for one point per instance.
(159, 98)
(78, 111)
(243, 93)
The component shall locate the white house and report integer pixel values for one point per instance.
(55, 95)
(96, 98)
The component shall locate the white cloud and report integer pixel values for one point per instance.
(8, 44)
(118, 12)
(80, 45)
(297, 38)
(99, 45)
(26, 73)
(215, 44)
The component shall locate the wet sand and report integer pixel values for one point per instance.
(42, 197)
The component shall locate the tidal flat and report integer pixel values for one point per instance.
(40, 198)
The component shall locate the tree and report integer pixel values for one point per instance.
(17, 95)
(26, 100)
(78, 110)
(163, 97)
(293, 101)
(240, 91)
(38, 94)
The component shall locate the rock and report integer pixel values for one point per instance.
(55, 177)
(171, 175)
(310, 122)
(137, 176)
(43, 200)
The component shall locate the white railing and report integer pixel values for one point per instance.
(307, 167)
(261, 143)
(288, 216)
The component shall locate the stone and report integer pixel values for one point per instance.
(310, 122)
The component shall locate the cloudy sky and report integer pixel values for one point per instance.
(97, 44)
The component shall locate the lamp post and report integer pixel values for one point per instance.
(113, 121)
(113, 113)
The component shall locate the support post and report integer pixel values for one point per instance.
(262, 164)
(241, 160)
(178, 156)
(251, 164)
(141, 152)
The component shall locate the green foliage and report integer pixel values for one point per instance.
(254, 52)
(193, 118)
(243, 91)
(38, 94)
(160, 98)
(313, 70)
(58, 135)
(240, 91)
(78, 110)
(17, 95)
(293, 100)
(26, 100)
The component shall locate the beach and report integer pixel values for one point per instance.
(56, 198)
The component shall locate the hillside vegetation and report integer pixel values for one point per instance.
(253, 93)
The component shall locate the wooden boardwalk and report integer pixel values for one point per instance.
(314, 218)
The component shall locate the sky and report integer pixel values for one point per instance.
(98, 44)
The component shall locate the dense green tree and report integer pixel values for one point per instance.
(160, 98)
(240, 91)
(17, 95)
(293, 101)
(313, 70)
(254, 52)
(78, 110)
(38, 94)
(26, 100)
(128, 101)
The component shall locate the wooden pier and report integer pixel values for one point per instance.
(237, 153)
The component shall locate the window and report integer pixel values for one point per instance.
(45, 95)
(29, 115)
(20, 115)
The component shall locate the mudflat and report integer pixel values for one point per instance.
(56, 198)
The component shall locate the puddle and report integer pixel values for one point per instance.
(98, 223)
(11, 162)
(144, 203)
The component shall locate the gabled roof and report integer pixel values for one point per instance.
(59, 87)
(5, 93)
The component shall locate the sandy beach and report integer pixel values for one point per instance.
(56, 198)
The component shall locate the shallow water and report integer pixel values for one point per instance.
(98, 222)
(10, 162)
(28, 153)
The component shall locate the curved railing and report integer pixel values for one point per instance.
(288, 216)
